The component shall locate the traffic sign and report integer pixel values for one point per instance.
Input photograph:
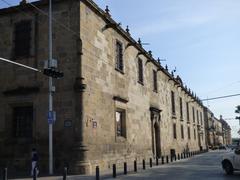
(51, 117)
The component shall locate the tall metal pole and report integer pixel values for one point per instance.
(50, 89)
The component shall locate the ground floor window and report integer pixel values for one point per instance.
(120, 116)
(23, 121)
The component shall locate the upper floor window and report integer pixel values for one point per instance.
(195, 134)
(187, 107)
(119, 56)
(173, 103)
(201, 120)
(189, 133)
(22, 35)
(155, 87)
(181, 108)
(197, 117)
(174, 131)
(120, 116)
(182, 132)
(140, 71)
(193, 113)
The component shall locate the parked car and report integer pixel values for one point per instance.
(231, 161)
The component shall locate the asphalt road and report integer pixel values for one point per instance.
(201, 167)
(205, 166)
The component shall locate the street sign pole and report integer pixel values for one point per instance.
(50, 108)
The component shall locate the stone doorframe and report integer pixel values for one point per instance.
(155, 128)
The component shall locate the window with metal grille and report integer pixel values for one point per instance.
(189, 133)
(173, 102)
(155, 87)
(174, 131)
(187, 106)
(119, 56)
(22, 39)
(197, 117)
(181, 108)
(140, 71)
(193, 113)
(120, 123)
(182, 132)
(23, 122)
(195, 134)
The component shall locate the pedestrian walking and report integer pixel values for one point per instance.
(35, 159)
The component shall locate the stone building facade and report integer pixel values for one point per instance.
(218, 132)
(115, 103)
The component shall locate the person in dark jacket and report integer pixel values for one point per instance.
(35, 159)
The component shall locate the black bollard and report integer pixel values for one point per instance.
(178, 156)
(114, 171)
(162, 159)
(125, 168)
(143, 163)
(184, 155)
(150, 162)
(167, 161)
(5, 174)
(65, 173)
(135, 166)
(156, 161)
(175, 157)
(181, 156)
(97, 173)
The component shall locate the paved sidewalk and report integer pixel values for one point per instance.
(108, 174)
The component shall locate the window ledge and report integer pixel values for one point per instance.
(140, 82)
(121, 139)
(119, 70)
(174, 116)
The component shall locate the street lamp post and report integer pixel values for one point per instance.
(50, 97)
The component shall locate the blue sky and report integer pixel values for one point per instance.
(200, 38)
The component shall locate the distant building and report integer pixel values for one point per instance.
(116, 103)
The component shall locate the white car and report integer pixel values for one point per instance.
(231, 161)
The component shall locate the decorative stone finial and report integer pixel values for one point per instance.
(107, 11)
(158, 60)
(166, 67)
(150, 53)
(23, 2)
(139, 42)
(127, 30)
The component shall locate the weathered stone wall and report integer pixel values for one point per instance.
(16, 151)
(104, 83)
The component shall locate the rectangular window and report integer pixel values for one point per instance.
(119, 56)
(201, 118)
(22, 40)
(173, 102)
(182, 132)
(174, 131)
(195, 134)
(197, 117)
(187, 107)
(23, 122)
(181, 110)
(120, 123)
(193, 113)
(189, 133)
(140, 71)
(155, 86)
